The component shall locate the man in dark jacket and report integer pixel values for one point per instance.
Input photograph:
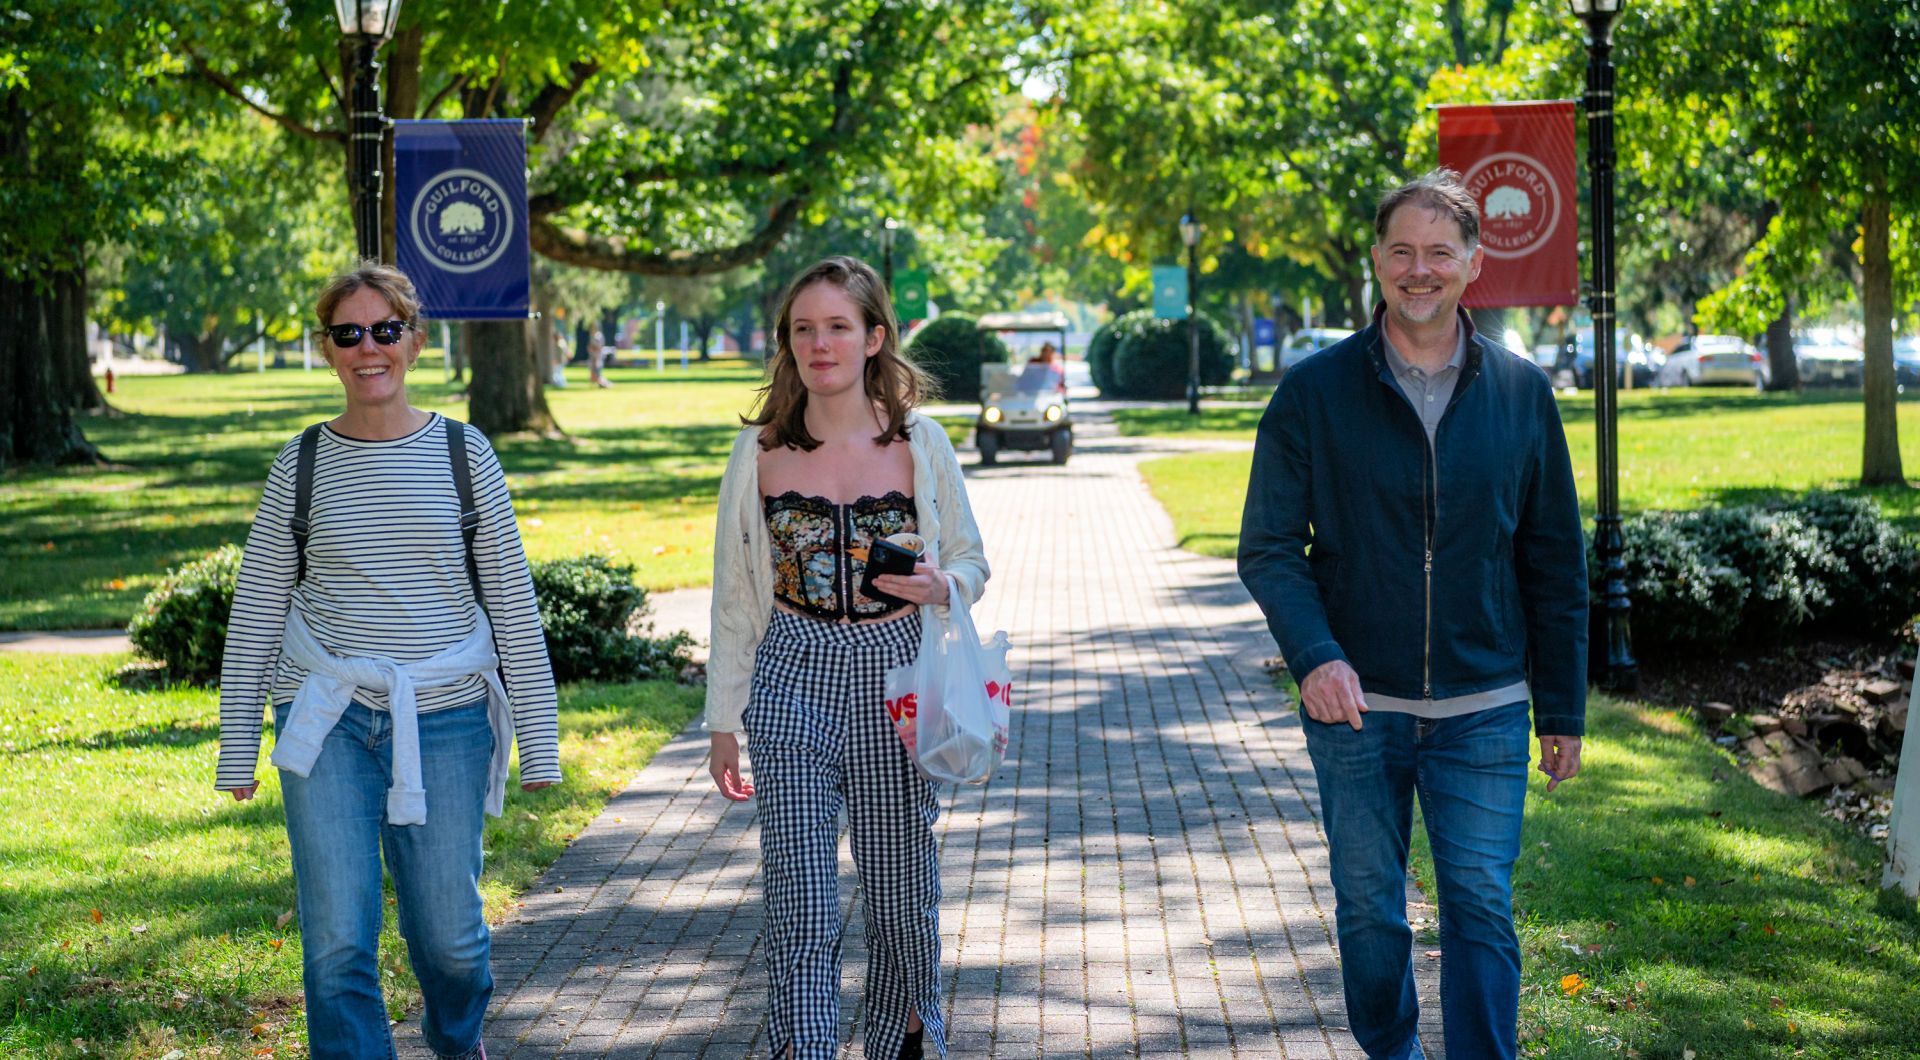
(1412, 534)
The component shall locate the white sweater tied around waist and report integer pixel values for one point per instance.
(329, 687)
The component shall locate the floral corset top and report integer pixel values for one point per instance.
(820, 548)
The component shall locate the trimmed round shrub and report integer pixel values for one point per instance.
(1875, 587)
(588, 605)
(1785, 562)
(1682, 595)
(1100, 348)
(951, 350)
(183, 622)
(1152, 362)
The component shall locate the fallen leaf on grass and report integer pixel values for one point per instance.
(275, 943)
(96, 916)
(1776, 1002)
(1572, 984)
(1689, 881)
(1687, 1054)
(1769, 930)
(1593, 947)
(283, 919)
(1657, 881)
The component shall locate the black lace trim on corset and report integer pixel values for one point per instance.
(810, 538)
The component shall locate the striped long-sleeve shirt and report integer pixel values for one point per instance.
(386, 576)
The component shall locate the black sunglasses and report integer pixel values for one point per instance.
(386, 333)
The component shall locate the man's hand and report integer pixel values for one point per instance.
(1559, 759)
(1331, 694)
(724, 763)
(243, 794)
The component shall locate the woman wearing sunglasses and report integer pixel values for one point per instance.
(400, 665)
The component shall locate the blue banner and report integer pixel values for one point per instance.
(1169, 292)
(460, 207)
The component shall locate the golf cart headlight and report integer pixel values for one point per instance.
(1053, 413)
(993, 414)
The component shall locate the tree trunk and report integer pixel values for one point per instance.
(36, 419)
(1784, 366)
(1880, 455)
(401, 102)
(73, 366)
(703, 334)
(504, 395)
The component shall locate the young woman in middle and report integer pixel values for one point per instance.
(835, 457)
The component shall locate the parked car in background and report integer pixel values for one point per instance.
(1306, 342)
(1827, 359)
(1906, 362)
(1707, 360)
(1627, 350)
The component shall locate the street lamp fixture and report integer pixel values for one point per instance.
(1618, 672)
(1190, 229)
(886, 252)
(369, 23)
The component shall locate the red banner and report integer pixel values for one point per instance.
(1517, 159)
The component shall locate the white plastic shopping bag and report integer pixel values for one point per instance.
(954, 705)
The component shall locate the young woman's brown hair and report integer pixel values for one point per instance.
(892, 381)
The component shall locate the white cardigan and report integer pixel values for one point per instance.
(743, 556)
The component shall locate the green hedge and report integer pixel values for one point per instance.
(1762, 574)
(1152, 359)
(951, 350)
(183, 622)
(1107, 339)
(587, 606)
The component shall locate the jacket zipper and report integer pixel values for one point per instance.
(1427, 515)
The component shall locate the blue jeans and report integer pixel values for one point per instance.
(336, 824)
(1471, 775)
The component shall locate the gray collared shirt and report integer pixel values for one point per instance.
(1428, 393)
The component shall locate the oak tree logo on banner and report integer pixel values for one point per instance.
(463, 220)
(1520, 203)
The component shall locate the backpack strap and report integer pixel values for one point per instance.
(303, 497)
(463, 485)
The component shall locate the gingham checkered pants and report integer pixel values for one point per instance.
(818, 738)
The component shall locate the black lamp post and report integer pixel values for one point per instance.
(1619, 673)
(1190, 228)
(886, 251)
(369, 23)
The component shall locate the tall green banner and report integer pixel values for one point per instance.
(1169, 292)
(910, 294)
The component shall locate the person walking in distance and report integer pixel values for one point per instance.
(596, 360)
(1412, 534)
(836, 457)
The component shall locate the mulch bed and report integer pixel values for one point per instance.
(1824, 718)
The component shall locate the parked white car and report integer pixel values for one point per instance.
(1707, 360)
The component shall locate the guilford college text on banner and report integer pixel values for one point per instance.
(1517, 159)
(460, 208)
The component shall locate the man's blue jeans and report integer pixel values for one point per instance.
(336, 823)
(1471, 775)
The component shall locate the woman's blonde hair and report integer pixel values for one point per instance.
(892, 381)
(390, 283)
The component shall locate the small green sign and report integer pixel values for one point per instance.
(1169, 292)
(910, 294)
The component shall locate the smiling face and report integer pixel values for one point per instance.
(830, 339)
(373, 375)
(1424, 265)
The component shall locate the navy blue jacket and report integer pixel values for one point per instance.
(1434, 571)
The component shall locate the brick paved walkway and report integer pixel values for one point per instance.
(1144, 878)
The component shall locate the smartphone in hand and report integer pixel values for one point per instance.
(885, 557)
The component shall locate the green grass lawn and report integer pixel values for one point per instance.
(637, 475)
(141, 911)
(1700, 910)
(1678, 450)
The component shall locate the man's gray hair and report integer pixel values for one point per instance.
(1439, 190)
